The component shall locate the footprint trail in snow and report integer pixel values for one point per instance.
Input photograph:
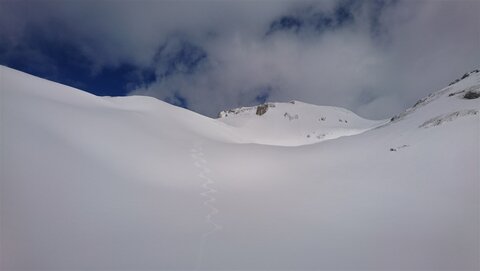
(199, 161)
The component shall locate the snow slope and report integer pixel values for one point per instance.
(294, 123)
(133, 183)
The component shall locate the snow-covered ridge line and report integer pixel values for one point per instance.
(448, 117)
(467, 74)
(465, 88)
(294, 123)
(239, 110)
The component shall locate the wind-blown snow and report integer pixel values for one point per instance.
(133, 183)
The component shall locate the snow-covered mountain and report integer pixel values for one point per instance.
(133, 183)
(294, 123)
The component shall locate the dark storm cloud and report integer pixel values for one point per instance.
(373, 57)
(310, 18)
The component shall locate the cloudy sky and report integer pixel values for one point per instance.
(374, 57)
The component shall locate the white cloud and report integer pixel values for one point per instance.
(419, 48)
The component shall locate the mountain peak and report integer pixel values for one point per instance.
(294, 123)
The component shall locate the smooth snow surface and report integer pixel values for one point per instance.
(133, 183)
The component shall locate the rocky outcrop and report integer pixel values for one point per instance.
(439, 120)
(463, 77)
(262, 109)
(472, 95)
(259, 110)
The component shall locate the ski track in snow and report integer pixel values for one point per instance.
(201, 163)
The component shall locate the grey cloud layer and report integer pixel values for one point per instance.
(376, 66)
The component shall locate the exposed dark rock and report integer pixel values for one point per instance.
(464, 76)
(262, 109)
(455, 93)
(471, 95)
(290, 117)
(419, 102)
